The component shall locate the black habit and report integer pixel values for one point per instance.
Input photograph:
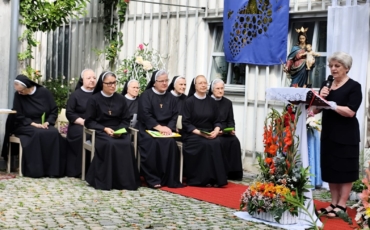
(340, 136)
(43, 149)
(114, 164)
(203, 160)
(160, 157)
(132, 105)
(230, 143)
(76, 107)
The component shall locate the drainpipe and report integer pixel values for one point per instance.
(13, 61)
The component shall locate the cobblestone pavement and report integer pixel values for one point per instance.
(69, 203)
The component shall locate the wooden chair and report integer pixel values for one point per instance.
(13, 139)
(179, 145)
(90, 145)
(87, 145)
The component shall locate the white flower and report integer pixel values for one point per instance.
(312, 124)
(147, 65)
(71, 82)
(63, 77)
(73, 79)
(139, 60)
(49, 80)
(62, 86)
(310, 119)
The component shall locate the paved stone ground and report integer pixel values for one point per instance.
(69, 203)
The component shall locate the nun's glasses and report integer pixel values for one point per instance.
(110, 83)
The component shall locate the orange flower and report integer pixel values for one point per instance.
(272, 150)
(268, 160)
(293, 193)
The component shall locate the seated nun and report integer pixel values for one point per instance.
(230, 143)
(203, 160)
(76, 108)
(160, 157)
(43, 149)
(177, 89)
(131, 93)
(113, 166)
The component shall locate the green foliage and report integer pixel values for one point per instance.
(110, 28)
(140, 66)
(32, 74)
(358, 186)
(61, 89)
(38, 15)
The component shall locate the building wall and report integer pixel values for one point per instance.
(182, 34)
(5, 14)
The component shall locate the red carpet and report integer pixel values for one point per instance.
(229, 196)
(7, 176)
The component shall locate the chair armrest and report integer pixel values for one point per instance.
(89, 131)
(133, 130)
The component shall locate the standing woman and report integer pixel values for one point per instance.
(340, 135)
(160, 157)
(113, 166)
(230, 143)
(131, 93)
(203, 159)
(76, 107)
(43, 153)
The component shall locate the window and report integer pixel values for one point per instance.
(232, 74)
(316, 36)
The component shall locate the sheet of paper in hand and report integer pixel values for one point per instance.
(157, 134)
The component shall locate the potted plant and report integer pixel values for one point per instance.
(282, 173)
(363, 205)
(357, 187)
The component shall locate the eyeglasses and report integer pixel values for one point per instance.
(110, 83)
(162, 81)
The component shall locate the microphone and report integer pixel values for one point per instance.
(329, 82)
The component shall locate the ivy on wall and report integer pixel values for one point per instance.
(111, 31)
(40, 15)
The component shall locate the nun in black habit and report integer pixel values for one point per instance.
(230, 143)
(131, 93)
(160, 159)
(177, 89)
(113, 166)
(43, 149)
(76, 108)
(203, 161)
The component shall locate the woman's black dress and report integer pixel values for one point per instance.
(43, 149)
(76, 108)
(203, 160)
(230, 143)
(160, 157)
(113, 166)
(340, 136)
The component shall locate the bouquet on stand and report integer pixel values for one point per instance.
(281, 172)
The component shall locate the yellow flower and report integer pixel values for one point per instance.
(367, 212)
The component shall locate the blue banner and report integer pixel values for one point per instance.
(256, 31)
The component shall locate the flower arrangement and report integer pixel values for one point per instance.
(363, 206)
(311, 122)
(140, 66)
(282, 174)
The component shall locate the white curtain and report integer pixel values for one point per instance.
(348, 31)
